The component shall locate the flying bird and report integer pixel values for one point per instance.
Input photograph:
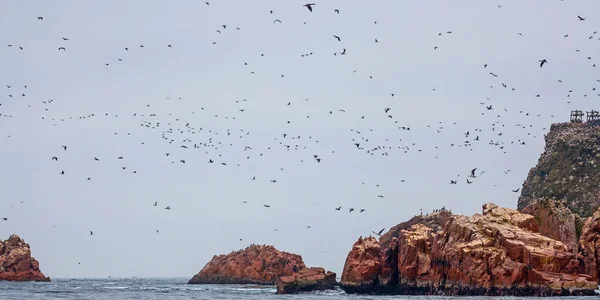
(378, 233)
(62, 48)
(580, 18)
(309, 6)
(542, 62)
(337, 38)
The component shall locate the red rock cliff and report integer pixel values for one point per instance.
(16, 263)
(589, 246)
(555, 221)
(499, 252)
(253, 265)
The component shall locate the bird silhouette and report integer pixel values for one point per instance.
(378, 233)
(309, 6)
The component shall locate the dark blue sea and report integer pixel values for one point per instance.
(166, 289)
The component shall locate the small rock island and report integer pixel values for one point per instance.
(16, 263)
(264, 265)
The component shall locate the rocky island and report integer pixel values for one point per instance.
(265, 265)
(16, 263)
(548, 247)
(498, 252)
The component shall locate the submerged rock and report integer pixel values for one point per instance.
(498, 252)
(306, 280)
(257, 264)
(16, 263)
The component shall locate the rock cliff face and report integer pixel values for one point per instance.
(499, 252)
(556, 221)
(16, 263)
(568, 170)
(589, 247)
(253, 265)
(306, 280)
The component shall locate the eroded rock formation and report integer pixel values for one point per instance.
(589, 246)
(306, 280)
(556, 221)
(498, 252)
(16, 263)
(257, 264)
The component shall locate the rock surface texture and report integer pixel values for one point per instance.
(253, 265)
(568, 170)
(498, 252)
(589, 246)
(306, 280)
(556, 221)
(16, 263)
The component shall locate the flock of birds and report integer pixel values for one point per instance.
(185, 135)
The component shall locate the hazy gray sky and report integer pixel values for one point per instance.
(208, 215)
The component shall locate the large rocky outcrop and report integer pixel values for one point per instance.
(16, 263)
(257, 264)
(499, 252)
(556, 221)
(568, 170)
(306, 280)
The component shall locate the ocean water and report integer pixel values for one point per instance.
(171, 288)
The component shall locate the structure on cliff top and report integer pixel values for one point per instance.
(569, 169)
(592, 117)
